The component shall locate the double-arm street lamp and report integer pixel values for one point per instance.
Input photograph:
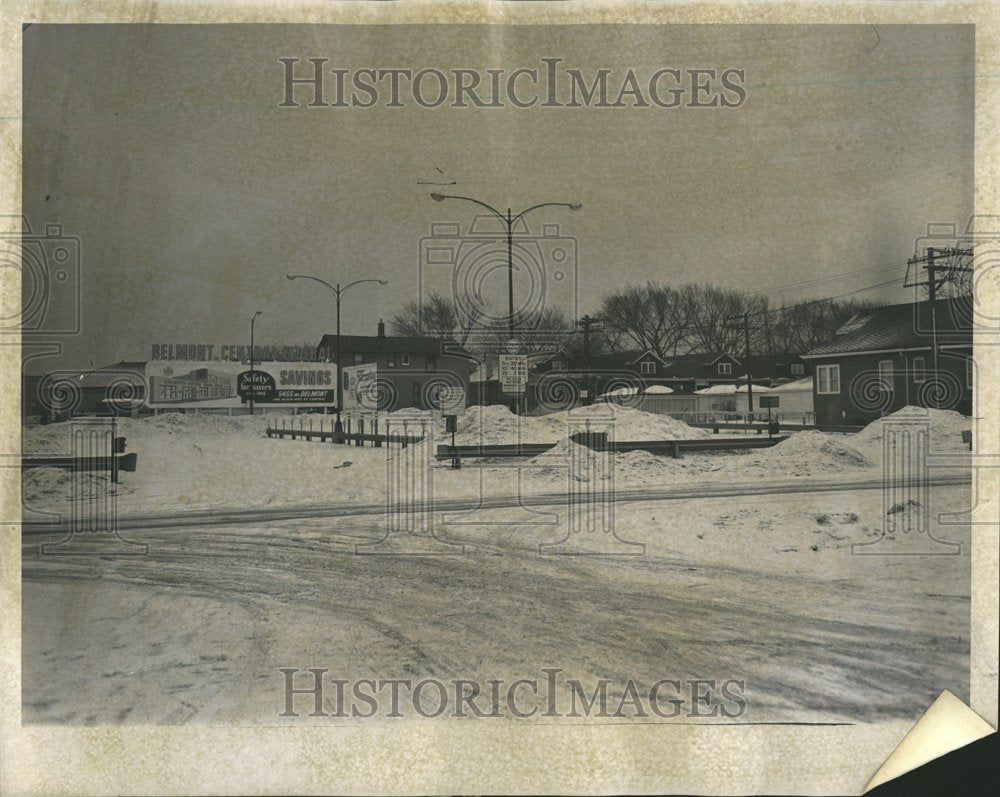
(509, 220)
(253, 318)
(338, 290)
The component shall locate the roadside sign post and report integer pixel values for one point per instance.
(451, 425)
(514, 375)
(769, 402)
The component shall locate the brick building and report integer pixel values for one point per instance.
(886, 358)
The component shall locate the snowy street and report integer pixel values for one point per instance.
(761, 589)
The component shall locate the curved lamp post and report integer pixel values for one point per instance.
(252, 320)
(339, 291)
(509, 220)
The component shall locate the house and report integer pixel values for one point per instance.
(795, 401)
(683, 374)
(411, 364)
(118, 389)
(888, 357)
(725, 398)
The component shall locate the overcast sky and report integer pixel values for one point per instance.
(164, 150)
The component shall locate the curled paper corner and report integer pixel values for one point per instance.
(946, 726)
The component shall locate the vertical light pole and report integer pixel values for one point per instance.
(509, 220)
(252, 320)
(338, 291)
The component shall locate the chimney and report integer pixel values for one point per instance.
(381, 328)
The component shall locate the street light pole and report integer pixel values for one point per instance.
(509, 220)
(338, 291)
(510, 275)
(252, 320)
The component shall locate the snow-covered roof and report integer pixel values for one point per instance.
(805, 383)
(622, 391)
(725, 389)
(654, 390)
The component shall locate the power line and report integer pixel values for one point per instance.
(830, 277)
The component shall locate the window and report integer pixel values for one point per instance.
(391, 361)
(558, 365)
(346, 383)
(725, 368)
(919, 369)
(827, 379)
(885, 374)
(415, 395)
(969, 368)
(798, 369)
(648, 367)
(358, 359)
(404, 359)
(432, 363)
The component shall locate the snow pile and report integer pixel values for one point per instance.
(633, 424)
(566, 456)
(812, 447)
(944, 428)
(641, 466)
(495, 424)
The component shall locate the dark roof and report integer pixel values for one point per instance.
(902, 326)
(693, 365)
(127, 371)
(696, 365)
(376, 344)
(608, 359)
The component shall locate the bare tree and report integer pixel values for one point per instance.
(650, 316)
(715, 317)
(800, 327)
(436, 317)
(549, 330)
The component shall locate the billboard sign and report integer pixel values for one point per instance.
(215, 384)
(361, 387)
(256, 385)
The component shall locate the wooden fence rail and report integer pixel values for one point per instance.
(348, 437)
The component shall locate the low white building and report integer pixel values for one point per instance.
(795, 401)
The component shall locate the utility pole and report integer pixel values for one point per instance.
(586, 323)
(932, 263)
(746, 336)
(932, 292)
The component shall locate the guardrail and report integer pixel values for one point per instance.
(114, 464)
(674, 448)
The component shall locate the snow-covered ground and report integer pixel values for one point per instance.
(762, 589)
(768, 589)
(212, 461)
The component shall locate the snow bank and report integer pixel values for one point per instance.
(945, 429)
(812, 447)
(633, 424)
(496, 424)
